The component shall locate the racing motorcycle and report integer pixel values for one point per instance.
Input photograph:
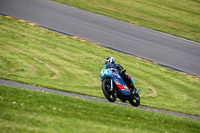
(113, 87)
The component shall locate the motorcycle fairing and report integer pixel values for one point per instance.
(121, 85)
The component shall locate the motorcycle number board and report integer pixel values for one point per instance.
(104, 72)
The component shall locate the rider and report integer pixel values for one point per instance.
(110, 62)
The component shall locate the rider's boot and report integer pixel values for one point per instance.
(133, 89)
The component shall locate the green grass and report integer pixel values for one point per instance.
(41, 57)
(24, 110)
(176, 17)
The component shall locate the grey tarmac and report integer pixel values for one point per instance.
(169, 51)
(21, 85)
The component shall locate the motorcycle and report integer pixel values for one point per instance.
(113, 87)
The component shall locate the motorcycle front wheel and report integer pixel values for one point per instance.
(135, 100)
(111, 95)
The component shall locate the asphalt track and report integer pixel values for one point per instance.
(169, 51)
(20, 85)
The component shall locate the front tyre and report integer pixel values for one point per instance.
(111, 95)
(135, 100)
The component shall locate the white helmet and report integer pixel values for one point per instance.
(109, 60)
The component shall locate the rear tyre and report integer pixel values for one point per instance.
(135, 100)
(111, 95)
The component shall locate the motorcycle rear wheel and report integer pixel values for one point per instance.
(110, 95)
(135, 100)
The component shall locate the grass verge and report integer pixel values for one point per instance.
(177, 17)
(24, 110)
(41, 57)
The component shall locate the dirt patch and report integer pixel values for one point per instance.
(47, 65)
(50, 68)
(154, 92)
(16, 49)
(62, 51)
(12, 70)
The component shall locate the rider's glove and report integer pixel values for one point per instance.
(122, 71)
